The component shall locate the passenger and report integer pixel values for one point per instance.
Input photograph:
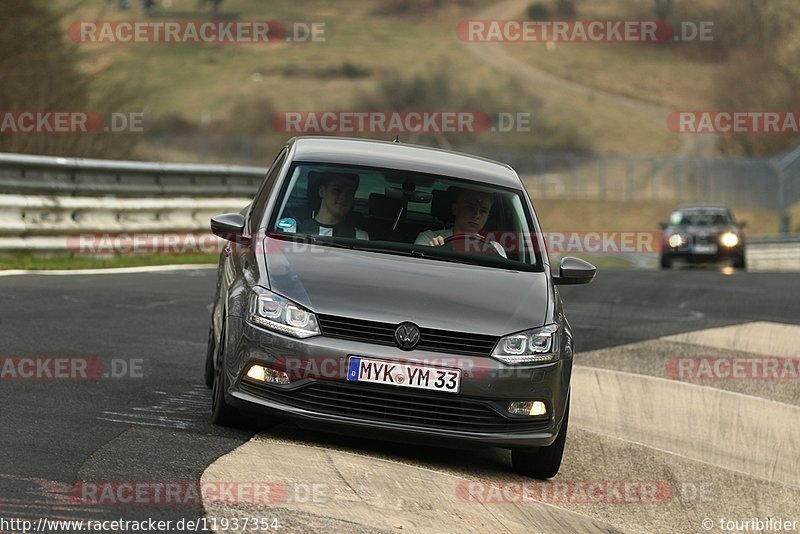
(336, 193)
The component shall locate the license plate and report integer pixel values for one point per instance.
(403, 374)
(705, 249)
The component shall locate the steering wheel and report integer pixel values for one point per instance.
(482, 247)
(464, 237)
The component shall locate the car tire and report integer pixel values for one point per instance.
(221, 412)
(666, 263)
(542, 462)
(740, 262)
(208, 375)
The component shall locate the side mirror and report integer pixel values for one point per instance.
(574, 271)
(742, 224)
(663, 225)
(230, 226)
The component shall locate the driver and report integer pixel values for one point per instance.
(471, 209)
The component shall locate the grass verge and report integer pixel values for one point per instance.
(39, 261)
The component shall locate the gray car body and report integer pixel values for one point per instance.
(392, 289)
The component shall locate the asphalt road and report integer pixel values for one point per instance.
(622, 306)
(154, 427)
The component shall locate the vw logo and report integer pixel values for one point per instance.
(406, 335)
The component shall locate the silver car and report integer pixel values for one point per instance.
(397, 290)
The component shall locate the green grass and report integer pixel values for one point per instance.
(27, 260)
(202, 82)
(646, 72)
(674, 76)
(558, 215)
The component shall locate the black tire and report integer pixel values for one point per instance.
(221, 412)
(542, 462)
(666, 263)
(211, 345)
(740, 262)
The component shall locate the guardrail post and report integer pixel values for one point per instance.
(783, 215)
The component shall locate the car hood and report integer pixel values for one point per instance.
(392, 288)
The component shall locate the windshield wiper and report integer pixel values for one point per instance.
(311, 239)
(415, 253)
(387, 250)
(451, 259)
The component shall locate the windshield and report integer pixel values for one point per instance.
(701, 217)
(404, 212)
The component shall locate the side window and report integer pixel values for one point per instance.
(260, 202)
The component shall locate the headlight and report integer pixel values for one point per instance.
(676, 240)
(729, 239)
(276, 313)
(531, 346)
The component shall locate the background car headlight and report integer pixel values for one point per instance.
(676, 240)
(280, 314)
(729, 239)
(531, 346)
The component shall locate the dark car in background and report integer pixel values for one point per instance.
(703, 233)
(370, 329)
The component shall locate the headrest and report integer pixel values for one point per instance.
(441, 205)
(382, 206)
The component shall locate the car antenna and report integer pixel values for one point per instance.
(396, 139)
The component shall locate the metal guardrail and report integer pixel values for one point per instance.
(48, 175)
(774, 253)
(45, 199)
(781, 239)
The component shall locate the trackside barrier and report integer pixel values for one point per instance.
(46, 199)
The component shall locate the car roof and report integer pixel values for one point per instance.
(402, 156)
(687, 207)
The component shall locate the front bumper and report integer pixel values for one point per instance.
(320, 393)
(690, 256)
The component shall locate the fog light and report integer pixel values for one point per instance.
(527, 408)
(257, 372)
(265, 374)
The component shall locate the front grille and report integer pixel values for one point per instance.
(705, 239)
(460, 343)
(389, 404)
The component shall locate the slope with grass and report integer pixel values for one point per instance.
(213, 86)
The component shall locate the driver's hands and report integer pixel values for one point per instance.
(437, 241)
